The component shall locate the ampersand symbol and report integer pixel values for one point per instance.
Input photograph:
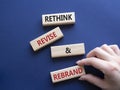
(68, 50)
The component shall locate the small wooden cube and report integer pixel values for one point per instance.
(46, 39)
(58, 19)
(67, 50)
(67, 73)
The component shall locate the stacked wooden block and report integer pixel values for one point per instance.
(61, 50)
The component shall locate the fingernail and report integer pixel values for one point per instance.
(77, 62)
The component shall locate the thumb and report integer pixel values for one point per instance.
(94, 80)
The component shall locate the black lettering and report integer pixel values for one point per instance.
(68, 50)
(57, 18)
(46, 19)
(50, 18)
(54, 18)
(69, 17)
(65, 17)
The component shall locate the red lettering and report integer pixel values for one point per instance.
(62, 75)
(46, 38)
(80, 70)
(66, 74)
(59, 77)
(39, 42)
(51, 36)
(42, 40)
(55, 77)
(71, 73)
(76, 71)
(54, 34)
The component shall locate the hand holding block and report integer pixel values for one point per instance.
(67, 73)
(58, 19)
(67, 50)
(46, 39)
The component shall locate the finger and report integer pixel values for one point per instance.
(94, 80)
(106, 48)
(99, 64)
(115, 48)
(99, 53)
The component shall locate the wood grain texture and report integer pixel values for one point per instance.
(67, 50)
(67, 73)
(58, 19)
(46, 39)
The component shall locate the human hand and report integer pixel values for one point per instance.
(107, 60)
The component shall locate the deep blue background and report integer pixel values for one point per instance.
(97, 22)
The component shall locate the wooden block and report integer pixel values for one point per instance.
(67, 50)
(58, 19)
(46, 39)
(67, 73)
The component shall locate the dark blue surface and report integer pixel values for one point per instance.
(97, 22)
